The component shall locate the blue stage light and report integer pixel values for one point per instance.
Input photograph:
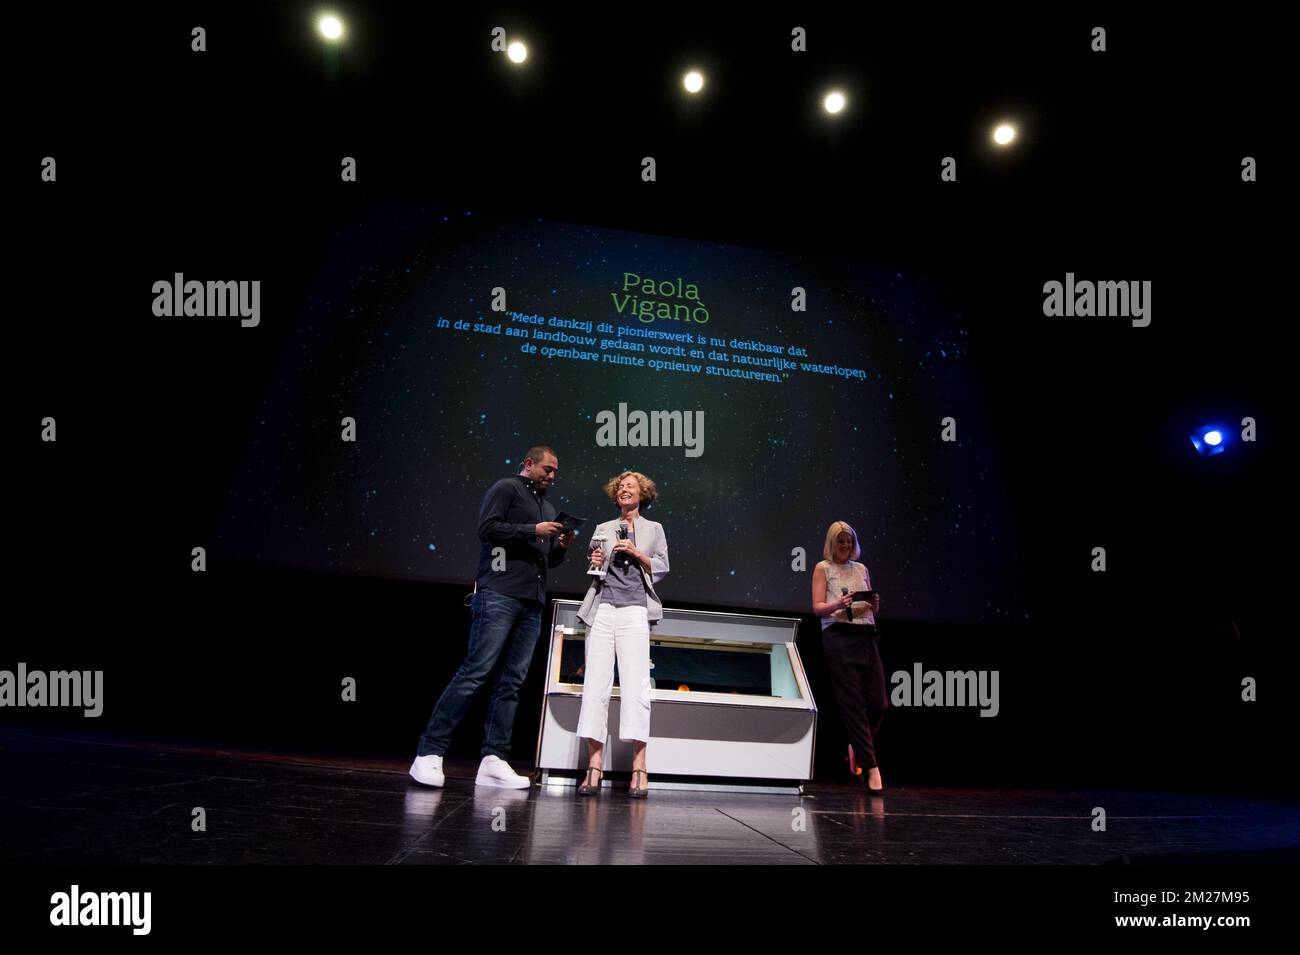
(1209, 440)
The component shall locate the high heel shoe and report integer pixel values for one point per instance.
(587, 789)
(866, 777)
(633, 792)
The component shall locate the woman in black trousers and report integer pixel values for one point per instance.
(851, 646)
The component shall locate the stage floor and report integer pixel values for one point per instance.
(72, 800)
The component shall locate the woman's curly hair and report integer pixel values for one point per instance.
(648, 490)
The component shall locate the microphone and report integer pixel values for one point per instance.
(621, 559)
(849, 609)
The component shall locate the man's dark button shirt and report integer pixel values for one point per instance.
(512, 509)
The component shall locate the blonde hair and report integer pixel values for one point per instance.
(648, 490)
(836, 529)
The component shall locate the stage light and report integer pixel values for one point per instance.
(517, 52)
(693, 81)
(1004, 134)
(1209, 440)
(330, 27)
(834, 102)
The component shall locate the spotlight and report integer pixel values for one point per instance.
(1004, 134)
(517, 52)
(834, 102)
(1209, 440)
(693, 81)
(330, 27)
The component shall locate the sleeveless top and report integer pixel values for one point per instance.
(852, 577)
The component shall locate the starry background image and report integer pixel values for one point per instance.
(443, 413)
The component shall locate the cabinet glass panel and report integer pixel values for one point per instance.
(687, 665)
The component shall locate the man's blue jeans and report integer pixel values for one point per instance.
(503, 630)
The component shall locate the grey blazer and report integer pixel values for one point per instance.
(650, 540)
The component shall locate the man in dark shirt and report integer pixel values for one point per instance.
(520, 540)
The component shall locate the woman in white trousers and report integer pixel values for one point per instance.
(619, 611)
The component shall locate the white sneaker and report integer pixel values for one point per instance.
(494, 771)
(428, 770)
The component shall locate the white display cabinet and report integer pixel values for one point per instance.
(731, 706)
